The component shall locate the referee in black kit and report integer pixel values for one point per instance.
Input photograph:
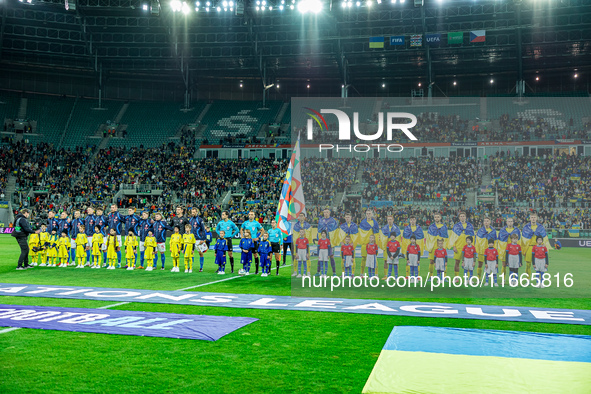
(21, 232)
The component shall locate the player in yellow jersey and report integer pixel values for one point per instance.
(436, 231)
(97, 244)
(52, 248)
(63, 249)
(81, 246)
(131, 245)
(529, 234)
(457, 241)
(34, 248)
(44, 245)
(176, 245)
(112, 248)
(188, 245)
(149, 246)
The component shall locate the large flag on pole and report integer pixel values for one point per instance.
(291, 202)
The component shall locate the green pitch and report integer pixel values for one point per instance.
(285, 351)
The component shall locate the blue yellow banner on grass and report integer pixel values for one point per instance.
(457, 360)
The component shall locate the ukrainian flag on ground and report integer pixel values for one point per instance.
(458, 360)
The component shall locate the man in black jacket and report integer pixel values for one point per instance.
(21, 232)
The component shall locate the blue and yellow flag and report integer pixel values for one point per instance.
(531, 362)
(408, 232)
(347, 229)
(366, 229)
(434, 233)
(385, 233)
(505, 239)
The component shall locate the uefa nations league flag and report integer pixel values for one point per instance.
(291, 202)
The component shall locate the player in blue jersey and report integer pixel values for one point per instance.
(331, 226)
(144, 226)
(221, 247)
(276, 240)
(255, 231)
(198, 230)
(265, 252)
(246, 246)
(52, 222)
(89, 222)
(160, 226)
(115, 221)
(74, 231)
(131, 222)
(230, 230)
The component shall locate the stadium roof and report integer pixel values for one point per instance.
(125, 36)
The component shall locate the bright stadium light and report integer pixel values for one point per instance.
(219, 8)
(176, 5)
(281, 8)
(358, 4)
(455, 83)
(291, 7)
(368, 3)
(270, 8)
(225, 4)
(186, 10)
(383, 85)
(492, 81)
(576, 75)
(145, 7)
(307, 86)
(257, 8)
(379, 1)
(419, 84)
(314, 6)
(537, 78)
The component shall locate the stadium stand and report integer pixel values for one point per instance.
(152, 123)
(237, 120)
(86, 120)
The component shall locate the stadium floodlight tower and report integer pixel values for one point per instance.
(309, 6)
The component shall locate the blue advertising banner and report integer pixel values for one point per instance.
(433, 39)
(256, 301)
(396, 40)
(101, 321)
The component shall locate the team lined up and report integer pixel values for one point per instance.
(486, 250)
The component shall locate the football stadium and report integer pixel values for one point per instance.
(295, 196)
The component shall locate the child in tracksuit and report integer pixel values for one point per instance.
(221, 246)
(413, 257)
(247, 245)
(265, 252)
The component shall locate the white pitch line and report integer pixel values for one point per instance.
(125, 303)
(9, 329)
(209, 283)
(111, 306)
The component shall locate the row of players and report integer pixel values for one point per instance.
(456, 239)
(54, 251)
(99, 235)
(438, 262)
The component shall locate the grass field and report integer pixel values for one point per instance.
(285, 351)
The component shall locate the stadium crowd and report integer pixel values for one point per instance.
(550, 180)
(324, 178)
(435, 179)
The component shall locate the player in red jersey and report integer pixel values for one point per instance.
(347, 251)
(469, 256)
(371, 260)
(540, 258)
(413, 257)
(513, 258)
(393, 252)
(323, 253)
(440, 259)
(491, 261)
